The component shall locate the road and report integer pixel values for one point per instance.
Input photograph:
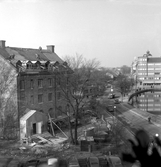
(135, 118)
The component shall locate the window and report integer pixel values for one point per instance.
(32, 99)
(40, 98)
(22, 85)
(40, 83)
(31, 83)
(50, 97)
(59, 111)
(58, 81)
(50, 82)
(58, 95)
(22, 99)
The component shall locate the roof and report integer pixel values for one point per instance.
(27, 115)
(23, 54)
(52, 56)
(154, 60)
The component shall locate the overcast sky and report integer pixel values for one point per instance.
(112, 31)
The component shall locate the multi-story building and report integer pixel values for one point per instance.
(146, 71)
(38, 78)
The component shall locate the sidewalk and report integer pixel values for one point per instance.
(155, 119)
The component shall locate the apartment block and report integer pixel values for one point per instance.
(146, 71)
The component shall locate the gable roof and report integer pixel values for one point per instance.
(23, 54)
(27, 115)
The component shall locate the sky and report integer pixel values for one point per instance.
(110, 31)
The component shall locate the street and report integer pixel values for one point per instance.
(134, 118)
(138, 120)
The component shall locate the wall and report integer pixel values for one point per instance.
(24, 96)
(35, 118)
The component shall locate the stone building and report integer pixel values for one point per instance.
(38, 78)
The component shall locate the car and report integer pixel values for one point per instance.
(110, 108)
(83, 162)
(93, 162)
(74, 163)
(114, 161)
(44, 163)
(111, 96)
(117, 101)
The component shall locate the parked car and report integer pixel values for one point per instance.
(74, 163)
(114, 161)
(83, 162)
(117, 101)
(111, 96)
(110, 108)
(93, 162)
(103, 161)
(45, 162)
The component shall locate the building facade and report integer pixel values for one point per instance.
(38, 78)
(146, 71)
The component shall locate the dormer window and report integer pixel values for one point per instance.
(29, 65)
(37, 64)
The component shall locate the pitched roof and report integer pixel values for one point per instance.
(27, 115)
(4, 53)
(52, 56)
(28, 54)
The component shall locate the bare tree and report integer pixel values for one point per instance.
(8, 103)
(123, 84)
(73, 85)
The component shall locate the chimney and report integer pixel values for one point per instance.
(51, 48)
(2, 44)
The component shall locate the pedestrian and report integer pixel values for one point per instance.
(149, 119)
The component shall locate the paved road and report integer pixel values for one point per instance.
(135, 118)
(139, 120)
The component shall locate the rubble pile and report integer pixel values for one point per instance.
(37, 145)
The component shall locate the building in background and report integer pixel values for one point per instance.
(38, 78)
(146, 71)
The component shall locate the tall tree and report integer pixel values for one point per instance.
(125, 70)
(74, 83)
(123, 84)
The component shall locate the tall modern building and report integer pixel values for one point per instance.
(146, 71)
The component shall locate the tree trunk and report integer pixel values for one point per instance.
(76, 127)
(71, 132)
